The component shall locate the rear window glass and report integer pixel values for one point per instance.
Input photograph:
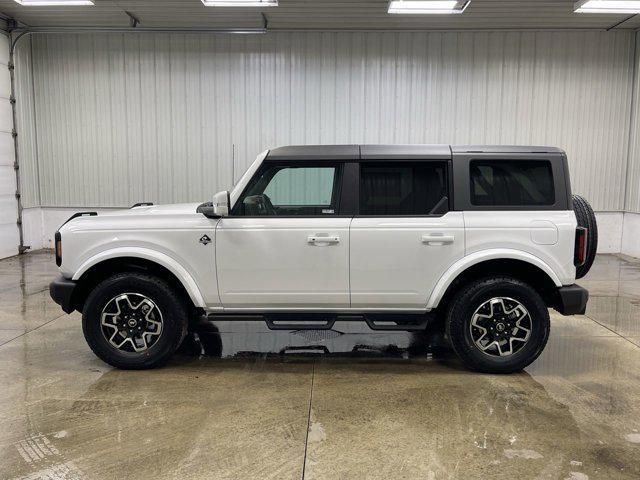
(512, 182)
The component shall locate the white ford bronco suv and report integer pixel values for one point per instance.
(479, 241)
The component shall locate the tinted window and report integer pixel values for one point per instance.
(403, 188)
(301, 186)
(517, 182)
(280, 190)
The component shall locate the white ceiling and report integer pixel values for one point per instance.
(316, 14)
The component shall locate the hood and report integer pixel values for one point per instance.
(175, 216)
(171, 209)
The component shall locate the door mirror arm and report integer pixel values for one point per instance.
(207, 210)
(218, 208)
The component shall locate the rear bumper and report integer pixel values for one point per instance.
(61, 290)
(572, 300)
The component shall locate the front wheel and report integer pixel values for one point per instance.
(498, 325)
(134, 321)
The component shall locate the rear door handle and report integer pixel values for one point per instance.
(323, 241)
(436, 240)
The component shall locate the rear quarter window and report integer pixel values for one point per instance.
(511, 183)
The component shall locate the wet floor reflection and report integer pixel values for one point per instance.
(372, 416)
(241, 401)
(620, 314)
(229, 339)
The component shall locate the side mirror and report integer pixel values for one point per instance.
(218, 208)
(222, 203)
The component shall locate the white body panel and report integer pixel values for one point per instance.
(275, 263)
(546, 235)
(168, 235)
(396, 262)
(319, 263)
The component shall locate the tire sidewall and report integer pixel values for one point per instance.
(460, 326)
(160, 293)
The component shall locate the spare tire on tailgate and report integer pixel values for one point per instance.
(587, 219)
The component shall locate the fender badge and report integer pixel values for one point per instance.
(205, 240)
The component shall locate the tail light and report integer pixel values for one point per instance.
(580, 251)
(58, 247)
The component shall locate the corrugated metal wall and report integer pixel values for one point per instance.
(633, 170)
(121, 118)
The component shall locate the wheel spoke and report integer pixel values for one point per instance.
(520, 327)
(123, 302)
(123, 342)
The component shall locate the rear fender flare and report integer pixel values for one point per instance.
(478, 257)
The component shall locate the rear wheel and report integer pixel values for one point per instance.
(498, 325)
(134, 321)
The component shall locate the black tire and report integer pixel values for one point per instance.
(468, 301)
(587, 219)
(174, 320)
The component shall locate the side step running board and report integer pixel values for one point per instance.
(326, 321)
(299, 322)
(397, 322)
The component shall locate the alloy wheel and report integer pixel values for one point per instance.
(131, 322)
(500, 327)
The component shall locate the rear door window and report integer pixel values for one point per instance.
(403, 188)
(511, 183)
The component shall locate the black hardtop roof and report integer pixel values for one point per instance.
(505, 149)
(315, 152)
(398, 152)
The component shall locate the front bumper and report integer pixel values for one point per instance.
(61, 290)
(572, 300)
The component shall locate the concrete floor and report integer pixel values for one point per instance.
(242, 402)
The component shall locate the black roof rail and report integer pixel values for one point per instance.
(141, 204)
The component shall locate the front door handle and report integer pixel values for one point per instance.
(436, 240)
(323, 241)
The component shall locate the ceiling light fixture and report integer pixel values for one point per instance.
(240, 3)
(54, 3)
(427, 7)
(607, 6)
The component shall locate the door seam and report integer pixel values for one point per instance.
(215, 259)
(349, 262)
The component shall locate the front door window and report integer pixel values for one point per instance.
(281, 190)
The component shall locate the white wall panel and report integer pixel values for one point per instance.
(631, 234)
(121, 118)
(610, 227)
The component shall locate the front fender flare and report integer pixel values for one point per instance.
(154, 256)
(473, 259)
